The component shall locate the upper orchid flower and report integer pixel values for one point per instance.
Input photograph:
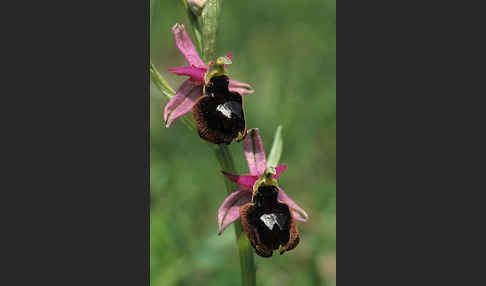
(219, 116)
(261, 203)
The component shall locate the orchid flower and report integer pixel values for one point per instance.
(201, 75)
(254, 186)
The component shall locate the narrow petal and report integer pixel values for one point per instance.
(245, 181)
(196, 74)
(279, 170)
(240, 87)
(182, 101)
(186, 47)
(229, 211)
(298, 212)
(254, 153)
(229, 57)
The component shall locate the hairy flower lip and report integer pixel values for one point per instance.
(219, 113)
(268, 223)
(256, 160)
(193, 88)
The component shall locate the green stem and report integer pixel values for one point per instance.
(210, 20)
(208, 24)
(160, 82)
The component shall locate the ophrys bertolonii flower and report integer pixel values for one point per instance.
(215, 99)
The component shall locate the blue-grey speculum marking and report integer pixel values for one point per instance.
(270, 220)
(224, 110)
(230, 109)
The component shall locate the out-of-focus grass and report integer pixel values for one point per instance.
(287, 51)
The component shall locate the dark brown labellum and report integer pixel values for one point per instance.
(219, 113)
(268, 223)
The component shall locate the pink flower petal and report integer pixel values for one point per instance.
(229, 211)
(186, 47)
(279, 170)
(298, 212)
(240, 87)
(229, 57)
(196, 74)
(182, 101)
(245, 181)
(254, 153)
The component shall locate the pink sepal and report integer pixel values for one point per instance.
(298, 212)
(181, 103)
(229, 211)
(186, 47)
(254, 153)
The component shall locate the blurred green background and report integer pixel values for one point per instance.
(287, 51)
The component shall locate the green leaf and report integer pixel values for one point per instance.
(160, 82)
(276, 150)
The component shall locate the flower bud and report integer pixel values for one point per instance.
(196, 6)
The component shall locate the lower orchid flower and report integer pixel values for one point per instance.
(215, 99)
(268, 215)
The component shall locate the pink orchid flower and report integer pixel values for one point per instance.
(229, 211)
(192, 88)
